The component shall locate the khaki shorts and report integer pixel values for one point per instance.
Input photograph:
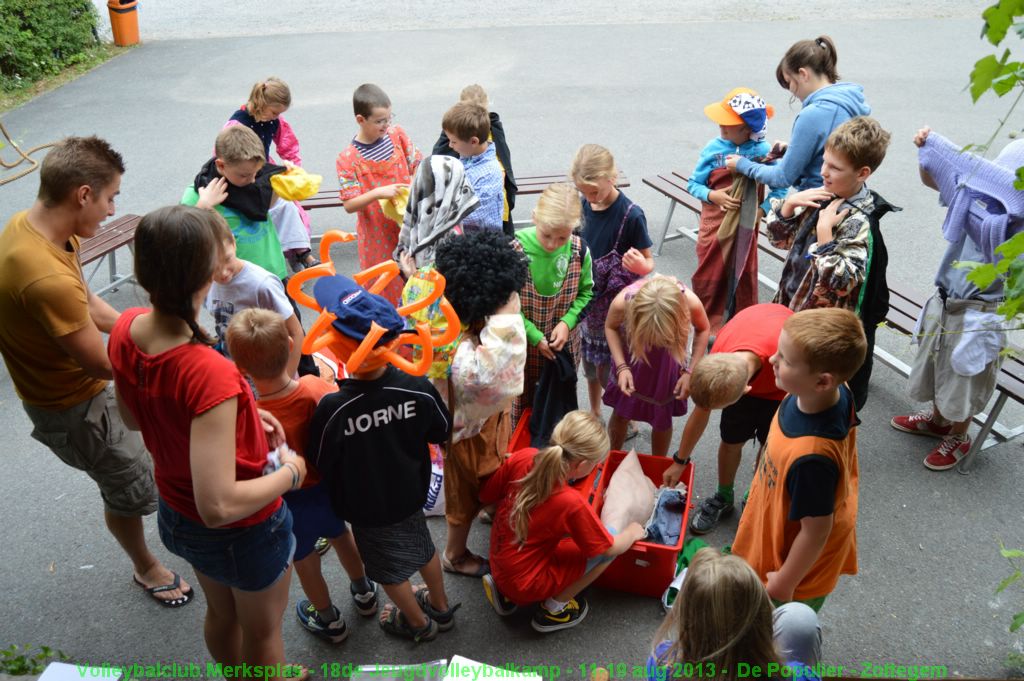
(91, 437)
(932, 378)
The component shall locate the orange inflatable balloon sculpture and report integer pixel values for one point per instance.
(365, 355)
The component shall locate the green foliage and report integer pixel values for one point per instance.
(40, 37)
(21, 661)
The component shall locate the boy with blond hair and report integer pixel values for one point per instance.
(237, 185)
(468, 129)
(378, 162)
(259, 343)
(736, 377)
(798, 531)
(837, 257)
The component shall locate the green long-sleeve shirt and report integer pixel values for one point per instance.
(548, 271)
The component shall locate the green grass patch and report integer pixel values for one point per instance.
(83, 63)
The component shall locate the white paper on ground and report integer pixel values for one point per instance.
(458, 665)
(61, 671)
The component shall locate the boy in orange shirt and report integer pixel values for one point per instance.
(258, 341)
(798, 530)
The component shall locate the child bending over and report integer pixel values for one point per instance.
(652, 370)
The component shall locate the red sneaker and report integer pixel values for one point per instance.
(920, 423)
(948, 453)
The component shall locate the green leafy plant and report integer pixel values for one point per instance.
(1002, 75)
(40, 37)
(22, 661)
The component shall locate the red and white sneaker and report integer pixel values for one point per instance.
(920, 423)
(948, 453)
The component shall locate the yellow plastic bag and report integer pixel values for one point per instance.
(295, 184)
(394, 209)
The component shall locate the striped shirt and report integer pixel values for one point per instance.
(380, 150)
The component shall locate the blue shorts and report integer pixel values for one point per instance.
(245, 558)
(312, 518)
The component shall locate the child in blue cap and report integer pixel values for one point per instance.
(370, 441)
(726, 276)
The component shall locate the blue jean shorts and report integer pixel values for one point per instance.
(245, 558)
(313, 518)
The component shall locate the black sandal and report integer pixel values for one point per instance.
(395, 624)
(445, 620)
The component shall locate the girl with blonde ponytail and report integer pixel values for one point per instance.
(547, 543)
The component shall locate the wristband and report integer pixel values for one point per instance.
(619, 368)
(681, 462)
(295, 474)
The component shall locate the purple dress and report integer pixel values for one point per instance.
(652, 400)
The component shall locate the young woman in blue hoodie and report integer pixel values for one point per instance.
(808, 71)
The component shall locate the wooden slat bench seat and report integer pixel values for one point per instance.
(110, 237)
(329, 198)
(904, 309)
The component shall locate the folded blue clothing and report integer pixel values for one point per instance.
(666, 521)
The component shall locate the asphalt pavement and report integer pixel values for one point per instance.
(928, 542)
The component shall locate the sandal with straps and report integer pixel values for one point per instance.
(445, 619)
(395, 623)
(455, 566)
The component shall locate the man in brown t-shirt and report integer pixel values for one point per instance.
(50, 339)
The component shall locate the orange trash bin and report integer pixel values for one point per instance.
(124, 21)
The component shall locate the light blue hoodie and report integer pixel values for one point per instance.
(823, 112)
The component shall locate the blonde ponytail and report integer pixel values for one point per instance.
(579, 436)
(270, 92)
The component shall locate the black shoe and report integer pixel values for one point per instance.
(711, 510)
(572, 614)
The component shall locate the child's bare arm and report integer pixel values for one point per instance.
(297, 337)
(616, 316)
(802, 556)
(365, 199)
(639, 261)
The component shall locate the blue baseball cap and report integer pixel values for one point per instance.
(356, 308)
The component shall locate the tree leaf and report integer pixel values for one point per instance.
(1013, 247)
(1018, 620)
(997, 22)
(985, 69)
(1012, 553)
(1008, 581)
(980, 275)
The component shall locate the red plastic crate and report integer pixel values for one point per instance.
(521, 440)
(645, 569)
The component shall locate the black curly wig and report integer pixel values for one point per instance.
(481, 270)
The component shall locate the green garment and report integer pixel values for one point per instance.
(256, 242)
(548, 270)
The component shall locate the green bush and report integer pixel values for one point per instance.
(40, 37)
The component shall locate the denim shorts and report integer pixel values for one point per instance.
(245, 558)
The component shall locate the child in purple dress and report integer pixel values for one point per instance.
(652, 371)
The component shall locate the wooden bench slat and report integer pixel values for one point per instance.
(109, 237)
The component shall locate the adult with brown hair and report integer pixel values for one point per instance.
(722, 622)
(808, 71)
(51, 339)
(219, 509)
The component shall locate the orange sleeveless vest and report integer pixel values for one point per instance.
(766, 533)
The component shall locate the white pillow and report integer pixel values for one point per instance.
(629, 496)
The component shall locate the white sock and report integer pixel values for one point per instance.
(551, 605)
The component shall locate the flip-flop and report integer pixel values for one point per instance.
(186, 594)
(453, 566)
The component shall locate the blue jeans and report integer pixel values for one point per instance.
(246, 558)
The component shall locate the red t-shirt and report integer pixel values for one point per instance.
(756, 329)
(166, 392)
(563, 533)
(295, 411)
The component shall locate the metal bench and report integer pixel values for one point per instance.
(110, 237)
